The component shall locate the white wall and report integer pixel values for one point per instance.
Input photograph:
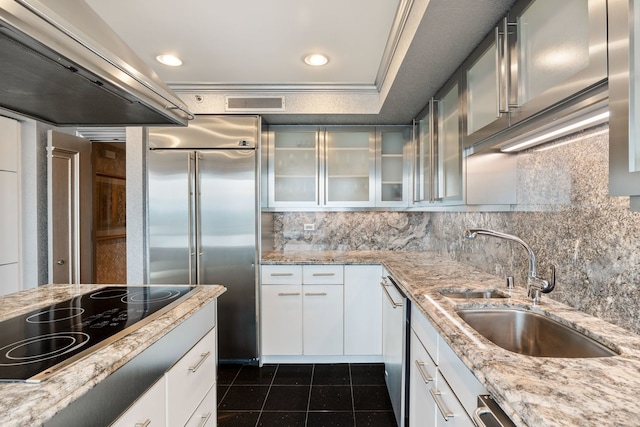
(10, 280)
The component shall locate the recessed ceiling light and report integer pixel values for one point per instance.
(170, 60)
(316, 59)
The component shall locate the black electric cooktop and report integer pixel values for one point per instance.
(35, 345)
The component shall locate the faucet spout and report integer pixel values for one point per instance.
(534, 283)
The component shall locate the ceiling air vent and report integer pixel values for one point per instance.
(254, 104)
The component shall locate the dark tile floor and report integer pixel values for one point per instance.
(326, 395)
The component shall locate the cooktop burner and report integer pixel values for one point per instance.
(38, 343)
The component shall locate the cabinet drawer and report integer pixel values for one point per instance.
(449, 411)
(426, 332)
(281, 274)
(422, 374)
(460, 378)
(323, 275)
(149, 408)
(205, 414)
(189, 380)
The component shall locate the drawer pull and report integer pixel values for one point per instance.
(315, 294)
(203, 357)
(288, 294)
(323, 274)
(144, 424)
(204, 419)
(446, 413)
(281, 274)
(423, 373)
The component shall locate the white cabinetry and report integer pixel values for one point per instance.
(189, 380)
(150, 409)
(185, 395)
(443, 391)
(321, 313)
(362, 310)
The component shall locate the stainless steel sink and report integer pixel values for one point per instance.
(488, 293)
(532, 334)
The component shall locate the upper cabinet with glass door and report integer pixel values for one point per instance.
(349, 167)
(438, 170)
(545, 52)
(294, 167)
(393, 165)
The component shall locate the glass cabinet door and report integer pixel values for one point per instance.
(424, 157)
(449, 147)
(487, 86)
(561, 50)
(392, 166)
(293, 168)
(350, 167)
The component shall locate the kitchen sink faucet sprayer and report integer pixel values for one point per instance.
(535, 284)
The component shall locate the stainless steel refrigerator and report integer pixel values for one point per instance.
(203, 219)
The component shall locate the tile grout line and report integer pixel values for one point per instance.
(353, 398)
(306, 415)
(267, 395)
(228, 386)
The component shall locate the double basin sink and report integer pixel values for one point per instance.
(525, 332)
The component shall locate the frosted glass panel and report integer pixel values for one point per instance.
(295, 166)
(348, 166)
(392, 166)
(423, 166)
(482, 91)
(553, 39)
(450, 185)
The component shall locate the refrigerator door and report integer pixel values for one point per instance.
(171, 217)
(227, 247)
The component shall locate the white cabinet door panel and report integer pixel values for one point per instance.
(9, 134)
(189, 380)
(149, 409)
(423, 372)
(205, 414)
(282, 319)
(323, 320)
(362, 310)
(9, 278)
(323, 274)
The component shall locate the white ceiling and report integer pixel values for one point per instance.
(387, 57)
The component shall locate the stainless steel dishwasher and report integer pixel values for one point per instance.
(395, 318)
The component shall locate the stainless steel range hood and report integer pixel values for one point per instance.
(62, 64)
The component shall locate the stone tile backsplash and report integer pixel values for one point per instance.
(563, 212)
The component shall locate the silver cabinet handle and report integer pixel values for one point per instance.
(281, 274)
(204, 419)
(288, 294)
(203, 357)
(389, 297)
(423, 373)
(446, 413)
(143, 424)
(315, 294)
(323, 274)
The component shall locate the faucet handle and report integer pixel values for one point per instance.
(552, 280)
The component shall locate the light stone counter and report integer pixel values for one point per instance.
(533, 391)
(32, 404)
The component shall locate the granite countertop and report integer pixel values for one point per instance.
(32, 404)
(533, 391)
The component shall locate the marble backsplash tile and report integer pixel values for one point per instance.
(563, 212)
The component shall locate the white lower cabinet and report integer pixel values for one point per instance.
(362, 310)
(148, 410)
(185, 395)
(282, 319)
(443, 391)
(323, 320)
(321, 311)
(205, 414)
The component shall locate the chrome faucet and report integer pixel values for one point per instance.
(535, 284)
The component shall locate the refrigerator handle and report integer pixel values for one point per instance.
(190, 215)
(198, 253)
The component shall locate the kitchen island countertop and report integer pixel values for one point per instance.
(23, 404)
(533, 391)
